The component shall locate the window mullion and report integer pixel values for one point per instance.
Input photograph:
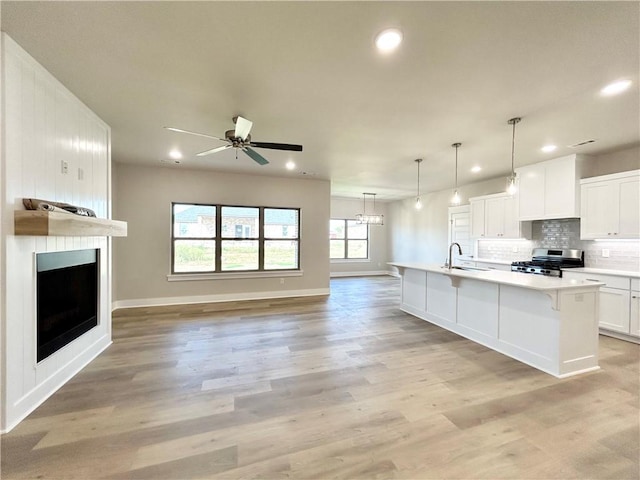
(218, 239)
(261, 238)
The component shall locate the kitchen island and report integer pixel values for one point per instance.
(549, 323)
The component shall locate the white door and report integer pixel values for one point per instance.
(461, 231)
(614, 309)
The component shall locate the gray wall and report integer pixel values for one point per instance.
(422, 235)
(142, 259)
(378, 238)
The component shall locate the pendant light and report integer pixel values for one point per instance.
(418, 201)
(512, 186)
(455, 200)
(369, 219)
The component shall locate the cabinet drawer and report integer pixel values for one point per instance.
(612, 281)
(635, 284)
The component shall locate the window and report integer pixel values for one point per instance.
(221, 238)
(348, 239)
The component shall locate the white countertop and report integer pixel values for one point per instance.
(604, 271)
(516, 279)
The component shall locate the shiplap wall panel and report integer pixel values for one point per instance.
(44, 125)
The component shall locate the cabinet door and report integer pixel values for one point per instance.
(477, 219)
(614, 309)
(494, 217)
(597, 205)
(629, 208)
(511, 221)
(560, 189)
(531, 192)
(634, 328)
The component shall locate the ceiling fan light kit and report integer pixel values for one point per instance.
(240, 139)
(369, 219)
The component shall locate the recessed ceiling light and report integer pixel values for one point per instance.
(175, 154)
(548, 148)
(476, 169)
(388, 40)
(290, 165)
(616, 87)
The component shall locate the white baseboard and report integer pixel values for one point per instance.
(36, 397)
(225, 297)
(360, 274)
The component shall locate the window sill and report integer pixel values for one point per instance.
(350, 260)
(187, 277)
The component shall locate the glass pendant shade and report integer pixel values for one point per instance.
(418, 201)
(455, 200)
(512, 184)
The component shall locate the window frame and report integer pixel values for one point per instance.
(219, 238)
(346, 240)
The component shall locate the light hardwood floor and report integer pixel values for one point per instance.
(345, 386)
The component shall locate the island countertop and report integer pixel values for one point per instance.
(515, 279)
(549, 323)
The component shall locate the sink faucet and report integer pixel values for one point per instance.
(450, 264)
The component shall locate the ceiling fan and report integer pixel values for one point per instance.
(241, 139)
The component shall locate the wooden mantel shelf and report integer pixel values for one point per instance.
(40, 222)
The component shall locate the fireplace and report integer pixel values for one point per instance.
(67, 298)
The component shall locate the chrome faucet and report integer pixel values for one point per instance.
(450, 263)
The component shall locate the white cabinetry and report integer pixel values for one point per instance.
(634, 323)
(496, 216)
(616, 302)
(611, 206)
(550, 189)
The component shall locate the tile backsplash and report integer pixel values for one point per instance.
(565, 233)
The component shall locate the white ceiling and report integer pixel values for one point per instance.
(308, 73)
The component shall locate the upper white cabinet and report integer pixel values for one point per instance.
(550, 189)
(611, 206)
(496, 216)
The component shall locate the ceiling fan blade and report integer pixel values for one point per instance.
(277, 146)
(256, 157)
(173, 129)
(243, 127)
(213, 150)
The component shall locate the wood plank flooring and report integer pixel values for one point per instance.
(345, 386)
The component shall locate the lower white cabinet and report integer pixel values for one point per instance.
(619, 310)
(634, 321)
(614, 309)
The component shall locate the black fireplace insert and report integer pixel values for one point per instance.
(67, 298)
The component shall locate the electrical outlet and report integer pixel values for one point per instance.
(605, 252)
(80, 174)
(64, 167)
(514, 249)
(282, 281)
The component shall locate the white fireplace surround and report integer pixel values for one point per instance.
(44, 125)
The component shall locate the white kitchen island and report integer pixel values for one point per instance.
(546, 322)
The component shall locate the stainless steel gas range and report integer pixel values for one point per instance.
(550, 261)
